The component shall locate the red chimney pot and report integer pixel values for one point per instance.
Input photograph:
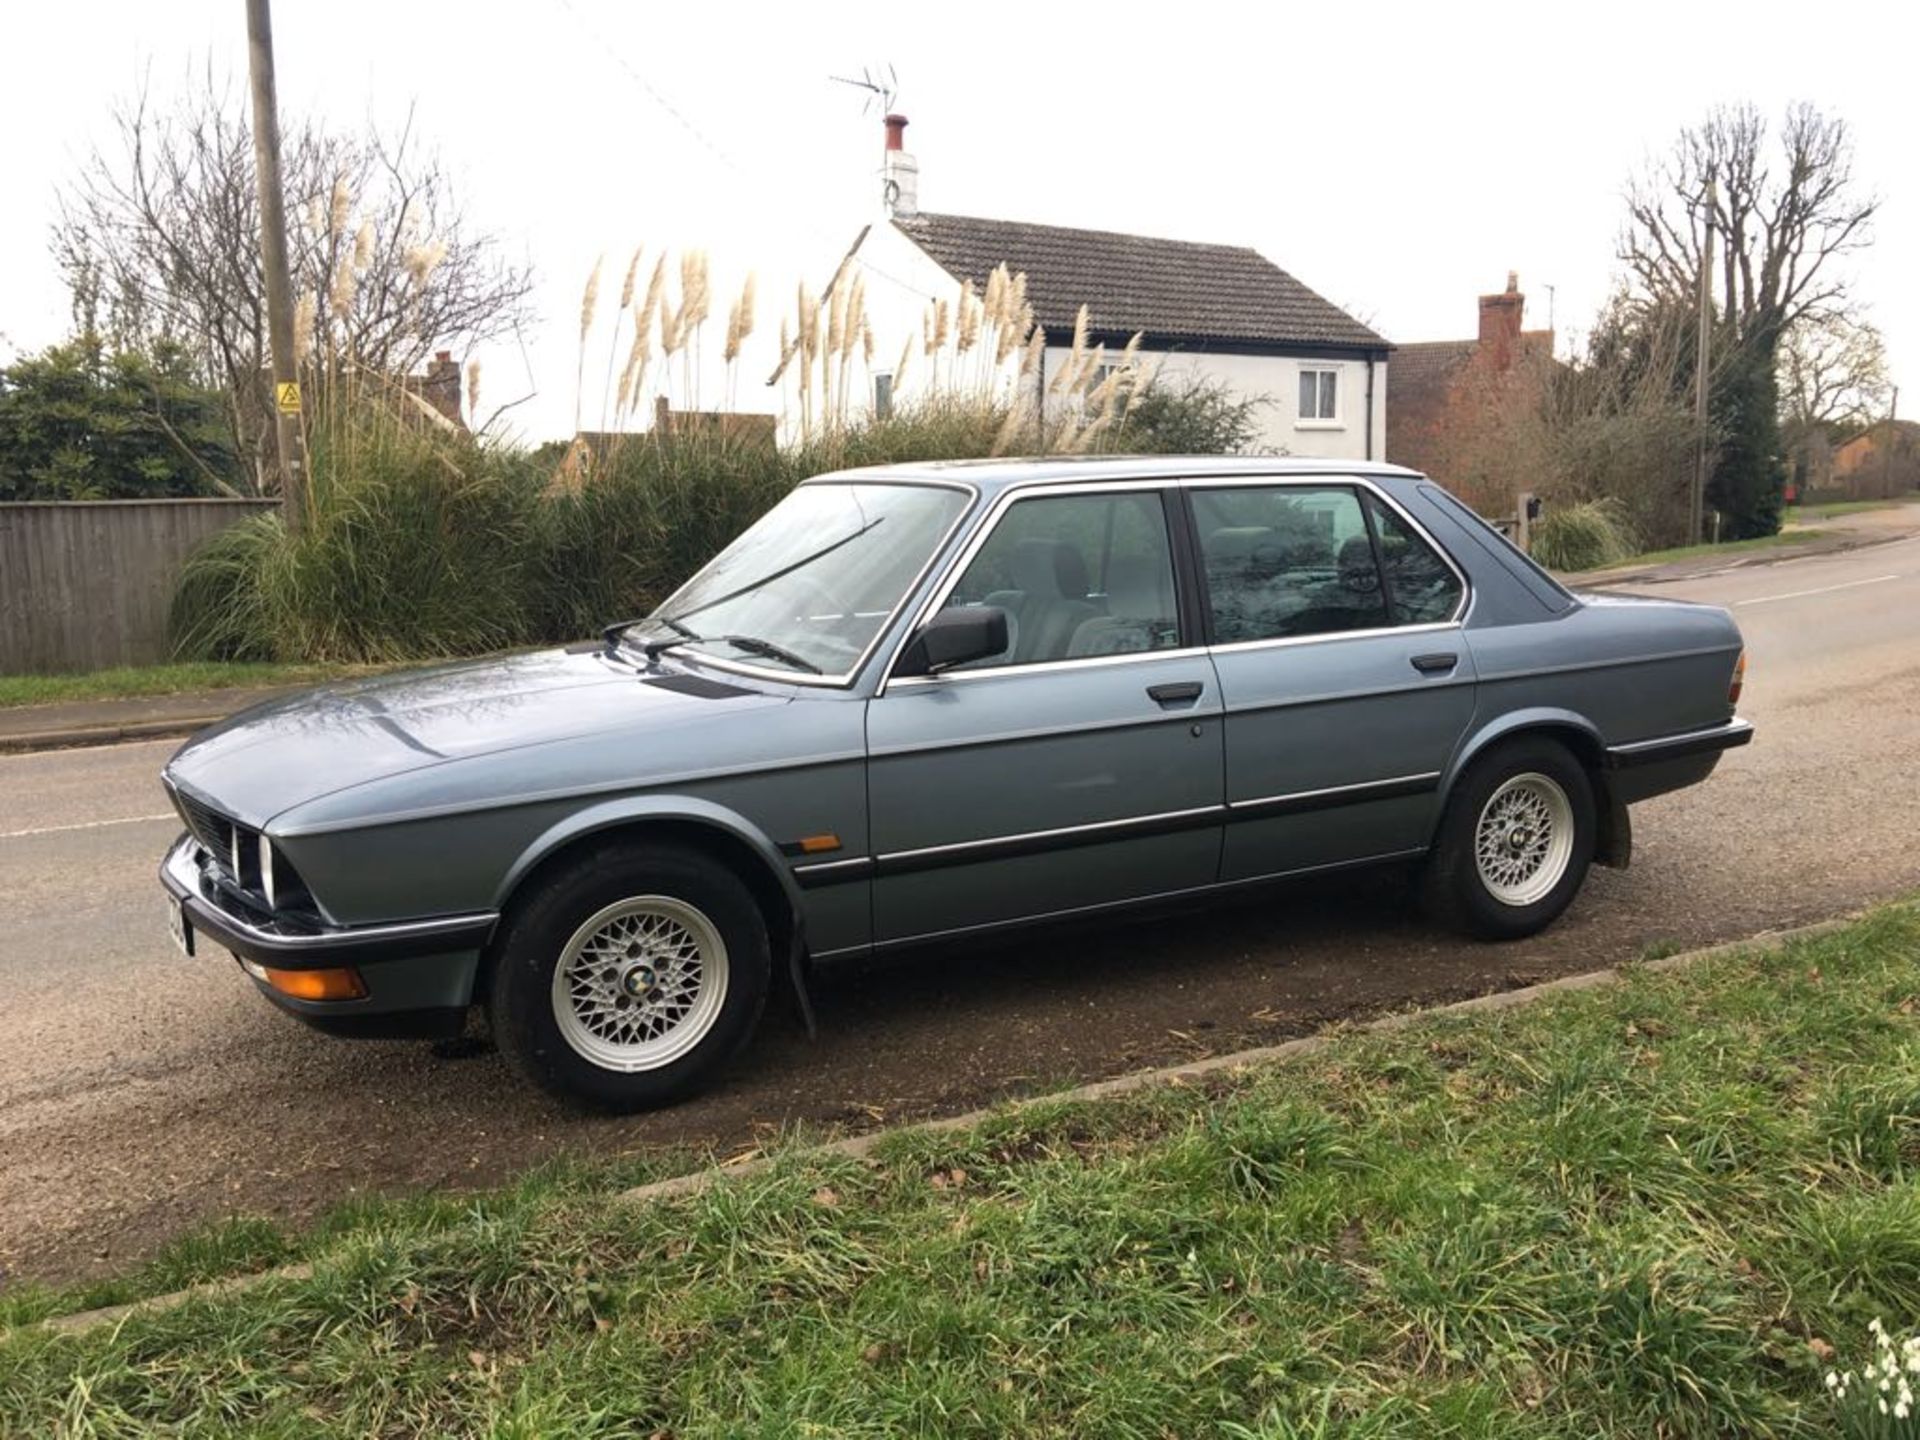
(896, 132)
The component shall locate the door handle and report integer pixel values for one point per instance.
(1436, 664)
(1178, 692)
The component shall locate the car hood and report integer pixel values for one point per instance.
(263, 761)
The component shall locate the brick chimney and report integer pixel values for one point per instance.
(900, 174)
(440, 387)
(1500, 324)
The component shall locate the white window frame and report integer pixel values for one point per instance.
(1338, 421)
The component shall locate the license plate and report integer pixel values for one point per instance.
(180, 927)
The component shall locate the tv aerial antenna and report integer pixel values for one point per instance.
(881, 84)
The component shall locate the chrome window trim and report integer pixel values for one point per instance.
(844, 679)
(996, 672)
(1234, 647)
(1174, 480)
(1004, 501)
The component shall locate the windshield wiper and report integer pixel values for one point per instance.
(786, 570)
(752, 644)
(613, 634)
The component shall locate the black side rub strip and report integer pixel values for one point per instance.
(1041, 842)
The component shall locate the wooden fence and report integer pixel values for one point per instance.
(86, 584)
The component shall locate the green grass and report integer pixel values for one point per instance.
(134, 681)
(1623, 1212)
(1808, 514)
(1731, 547)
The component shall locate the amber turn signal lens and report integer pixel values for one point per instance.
(819, 844)
(1739, 679)
(316, 984)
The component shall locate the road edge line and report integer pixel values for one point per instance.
(859, 1146)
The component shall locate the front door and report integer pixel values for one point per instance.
(1345, 678)
(1079, 768)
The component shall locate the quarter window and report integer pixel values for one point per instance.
(1319, 393)
(1286, 561)
(1422, 588)
(1079, 576)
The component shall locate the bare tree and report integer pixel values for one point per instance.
(1781, 220)
(1782, 213)
(159, 239)
(1833, 373)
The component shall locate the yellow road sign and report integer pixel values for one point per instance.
(287, 395)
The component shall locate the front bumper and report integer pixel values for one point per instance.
(419, 974)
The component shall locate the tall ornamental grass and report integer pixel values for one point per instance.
(1586, 536)
(423, 541)
(417, 549)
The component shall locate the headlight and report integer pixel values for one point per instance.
(266, 870)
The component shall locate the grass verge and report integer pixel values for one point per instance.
(1655, 1208)
(1731, 547)
(135, 681)
(1809, 514)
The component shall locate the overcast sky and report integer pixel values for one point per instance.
(1398, 160)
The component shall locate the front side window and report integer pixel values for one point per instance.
(1286, 561)
(807, 587)
(1319, 394)
(1079, 576)
(1421, 587)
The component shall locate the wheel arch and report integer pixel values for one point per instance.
(713, 830)
(1613, 844)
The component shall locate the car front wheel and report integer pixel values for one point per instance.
(627, 980)
(1515, 842)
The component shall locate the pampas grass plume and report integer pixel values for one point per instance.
(590, 297)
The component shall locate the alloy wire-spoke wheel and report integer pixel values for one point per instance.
(640, 983)
(1524, 839)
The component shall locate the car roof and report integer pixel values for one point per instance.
(992, 476)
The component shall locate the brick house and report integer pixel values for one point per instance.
(1881, 461)
(1452, 404)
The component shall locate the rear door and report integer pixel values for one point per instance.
(1081, 768)
(1336, 635)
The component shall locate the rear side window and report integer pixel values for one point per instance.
(1544, 588)
(1286, 561)
(1421, 587)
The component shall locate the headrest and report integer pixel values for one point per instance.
(1049, 569)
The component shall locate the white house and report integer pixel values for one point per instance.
(1225, 312)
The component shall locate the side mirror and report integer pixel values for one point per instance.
(958, 634)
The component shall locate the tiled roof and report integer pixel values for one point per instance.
(1175, 291)
(1425, 368)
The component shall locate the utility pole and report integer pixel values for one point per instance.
(273, 255)
(1702, 360)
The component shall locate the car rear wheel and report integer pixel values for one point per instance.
(627, 980)
(1515, 842)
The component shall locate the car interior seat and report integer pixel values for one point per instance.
(1140, 613)
(1048, 601)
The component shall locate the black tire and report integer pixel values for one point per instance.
(541, 923)
(1452, 888)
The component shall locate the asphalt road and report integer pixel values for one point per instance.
(142, 1092)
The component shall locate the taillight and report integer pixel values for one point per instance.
(1739, 679)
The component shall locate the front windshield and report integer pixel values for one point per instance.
(814, 579)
